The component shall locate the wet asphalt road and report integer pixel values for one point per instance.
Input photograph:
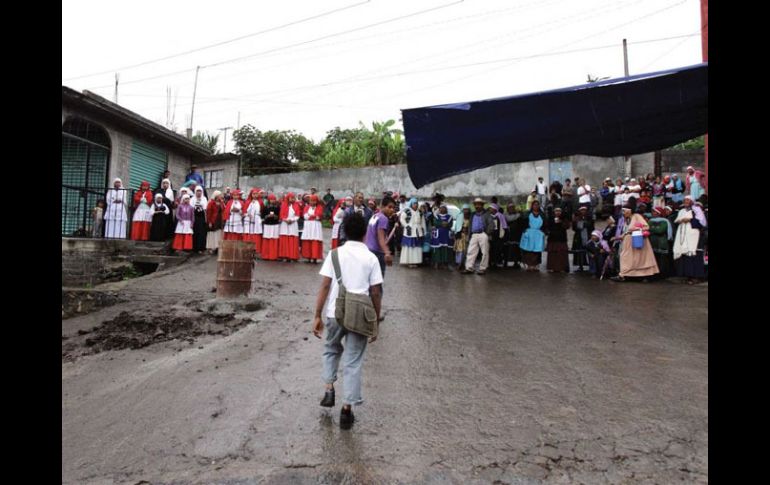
(511, 377)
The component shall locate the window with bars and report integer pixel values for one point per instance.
(213, 178)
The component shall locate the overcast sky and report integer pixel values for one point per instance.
(339, 68)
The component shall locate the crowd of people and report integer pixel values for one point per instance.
(656, 226)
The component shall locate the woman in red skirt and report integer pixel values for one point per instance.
(270, 229)
(337, 215)
(288, 243)
(140, 225)
(233, 217)
(252, 220)
(183, 239)
(312, 232)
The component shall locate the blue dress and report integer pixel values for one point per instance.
(696, 189)
(533, 239)
(440, 236)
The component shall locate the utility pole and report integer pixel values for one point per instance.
(224, 148)
(117, 77)
(192, 111)
(625, 68)
(625, 56)
(238, 124)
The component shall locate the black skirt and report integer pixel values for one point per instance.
(159, 227)
(199, 231)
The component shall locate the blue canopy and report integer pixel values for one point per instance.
(624, 116)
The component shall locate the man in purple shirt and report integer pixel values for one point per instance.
(377, 233)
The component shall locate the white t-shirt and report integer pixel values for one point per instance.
(584, 194)
(541, 189)
(360, 270)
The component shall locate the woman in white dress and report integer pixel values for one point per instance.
(116, 217)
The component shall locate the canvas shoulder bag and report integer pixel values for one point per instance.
(353, 312)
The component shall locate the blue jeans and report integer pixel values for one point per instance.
(352, 355)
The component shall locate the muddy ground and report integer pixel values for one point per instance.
(511, 377)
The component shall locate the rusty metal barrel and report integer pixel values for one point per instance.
(235, 266)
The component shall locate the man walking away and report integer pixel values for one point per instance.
(360, 274)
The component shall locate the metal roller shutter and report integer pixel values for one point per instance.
(147, 163)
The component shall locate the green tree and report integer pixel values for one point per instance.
(274, 151)
(698, 143)
(386, 143)
(207, 140)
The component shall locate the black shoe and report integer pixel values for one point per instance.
(346, 418)
(328, 400)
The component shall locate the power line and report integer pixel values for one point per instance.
(356, 45)
(289, 46)
(360, 78)
(218, 44)
(442, 68)
(656, 12)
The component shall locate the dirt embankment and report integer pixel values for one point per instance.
(137, 329)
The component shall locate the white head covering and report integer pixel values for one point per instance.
(117, 180)
(202, 201)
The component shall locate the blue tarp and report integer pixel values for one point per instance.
(625, 116)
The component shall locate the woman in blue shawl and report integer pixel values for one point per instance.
(533, 239)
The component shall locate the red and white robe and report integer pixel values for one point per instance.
(252, 224)
(312, 233)
(288, 243)
(339, 214)
(233, 217)
(140, 224)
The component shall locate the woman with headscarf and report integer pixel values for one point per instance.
(414, 229)
(252, 220)
(583, 225)
(199, 204)
(689, 242)
(512, 237)
(441, 237)
(677, 191)
(116, 217)
(462, 229)
(140, 225)
(533, 238)
(661, 235)
(338, 213)
(159, 225)
(183, 238)
(599, 255)
(695, 183)
(498, 236)
(166, 190)
(658, 193)
(215, 219)
(288, 243)
(233, 217)
(634, 262)
(558, 252)
(270, 229)
(313, 236)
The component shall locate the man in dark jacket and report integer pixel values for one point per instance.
(482, 226)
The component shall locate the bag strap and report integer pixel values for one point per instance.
(338, 271)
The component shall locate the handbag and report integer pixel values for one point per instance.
(353, 312)
(637, 239)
